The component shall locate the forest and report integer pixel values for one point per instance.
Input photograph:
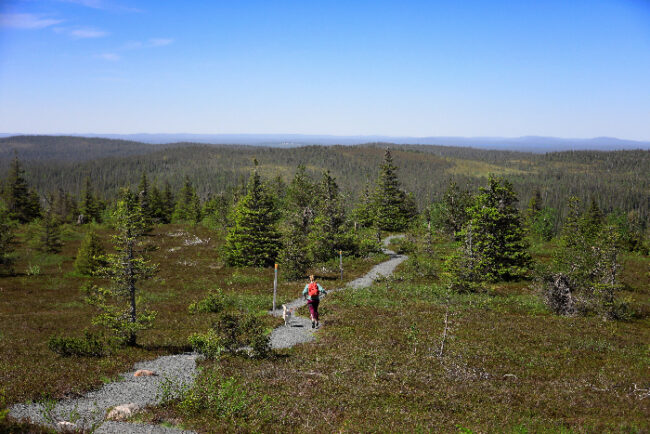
(523, 303)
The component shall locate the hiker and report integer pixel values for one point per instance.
(312, 293)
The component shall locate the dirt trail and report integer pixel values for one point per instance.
(91, 408)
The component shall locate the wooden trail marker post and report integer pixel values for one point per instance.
(275, 285)
(341, 263)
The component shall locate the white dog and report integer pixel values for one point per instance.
(286, 314)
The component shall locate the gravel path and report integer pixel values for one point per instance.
(91, 408)
(298, 330)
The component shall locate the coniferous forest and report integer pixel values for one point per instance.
(523, 306)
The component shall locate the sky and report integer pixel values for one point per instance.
(398, 68)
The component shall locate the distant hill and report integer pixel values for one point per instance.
(536, 144)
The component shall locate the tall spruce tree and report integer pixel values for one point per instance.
(49, 237)
(254, 239)
(393, 209)
(188, 206)
(329, 234)
(497, 235)
(6, 240)
(144, 198)
(364, 214)
(299, 216)
(117, 303)
(90, 207)
(22, 203)
(168, 203)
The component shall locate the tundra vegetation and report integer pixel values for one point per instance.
(505, 317)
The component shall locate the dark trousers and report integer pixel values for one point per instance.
(313, 308)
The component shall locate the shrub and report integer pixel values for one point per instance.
(233, 333)
(208, 344)
(88, 346)
(214, 302)
(90, 257)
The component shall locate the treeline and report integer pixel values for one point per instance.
(616, 180)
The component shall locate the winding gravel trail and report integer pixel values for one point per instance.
(299, 330)
(91, 408)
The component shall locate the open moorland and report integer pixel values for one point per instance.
(461, 338)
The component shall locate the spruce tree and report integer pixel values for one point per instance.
(144, 198)
(393, 210)
(497, 235)
(299, 216)
(254, 239)
(454, 210)
(50, 233)
(90, 256)
(90, 207)
(6, 239)
(117, 303)
(22, 204)
(156, 205)
(168, 203)
(188, 206)
(364, 214)
(329, 234)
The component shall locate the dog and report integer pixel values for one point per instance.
(286, 314)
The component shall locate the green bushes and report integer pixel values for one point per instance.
(87, 346)
(233, 333)
(213, 303)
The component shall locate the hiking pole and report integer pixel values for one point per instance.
(275, 285)
(341, 262)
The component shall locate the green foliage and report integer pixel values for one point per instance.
(212, 394)
(453, 213)
(494, 236)
(6, 240)
(542, 224)
(49, 237)
(144, 199)
(88, 346)
(233, 333)
(188, 206)
(393, 209)
(117, 304)
(90, 256)
(587, 258)
(208, 344)
(22, 203)
(90, 207)
(363, 214)
(254, 239)
(214, 302)
(329, 234)
(299, 217)
(630, 231)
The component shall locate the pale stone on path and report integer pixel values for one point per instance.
(122, 412)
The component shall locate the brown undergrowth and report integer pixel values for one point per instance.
(507, 365)
(43, 299)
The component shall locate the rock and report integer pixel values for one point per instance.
(66, 426)
(122, 412)
(510, 377)
(144, 373)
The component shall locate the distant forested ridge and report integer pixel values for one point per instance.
(616, 179)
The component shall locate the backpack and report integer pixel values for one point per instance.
(313, 289)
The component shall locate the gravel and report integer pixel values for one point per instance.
(299, 331)
(91, 408)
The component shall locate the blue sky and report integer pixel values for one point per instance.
(415, 68)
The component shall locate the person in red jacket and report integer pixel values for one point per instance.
(312, 293)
